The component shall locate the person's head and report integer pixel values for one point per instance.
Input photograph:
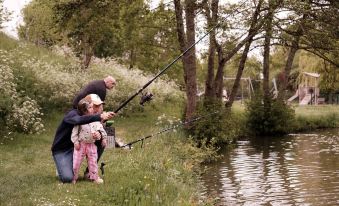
(109, 82)
(85, 107)
(96, 102)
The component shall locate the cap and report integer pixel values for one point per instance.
(94, 98)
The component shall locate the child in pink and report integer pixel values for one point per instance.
(82, 137)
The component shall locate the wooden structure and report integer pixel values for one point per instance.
(308, 89)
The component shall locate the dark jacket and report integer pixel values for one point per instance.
(62, 140)
(94, 87)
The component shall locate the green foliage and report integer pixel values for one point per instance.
(128, 30)
(329, 78)
(88, 26)
(148, 38)
(272, 118)
(4, 13)
(39, 26)
(216, 128)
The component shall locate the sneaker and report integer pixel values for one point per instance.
(99, 181)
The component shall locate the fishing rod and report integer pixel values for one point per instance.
(165, 68)
(171, 63)
(129, 145)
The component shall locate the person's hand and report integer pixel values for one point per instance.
(104, 143)
(96, 135)
(107, 115)
(111, 114)
(77, 146)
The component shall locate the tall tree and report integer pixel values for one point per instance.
(251, 32)
(267, 44)
(189, 59)
(39, 26)
(211, 21)
(89, 27)
(225, 51)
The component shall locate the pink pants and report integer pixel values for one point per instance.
(90, 151)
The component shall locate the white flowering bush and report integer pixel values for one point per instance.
(17, 113)
(130, 81)
(35, 80)
(7, 89)
(26, 116)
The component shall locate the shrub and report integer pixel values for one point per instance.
(45, 81)
(25, 116)
(18, 113)
(217, 127)
(273, 118)
(7, 90)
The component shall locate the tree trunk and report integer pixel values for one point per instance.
(210, 92)
(239, 74)
(266, 61)
(219, 78)
(131, 58)
(87, 56)
(224, 58)
(243, 58)
(189, 59)
(291, 55)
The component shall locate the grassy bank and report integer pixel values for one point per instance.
(308, 117)
(160, 173)
(316, 117)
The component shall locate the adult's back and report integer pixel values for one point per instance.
(95, 87)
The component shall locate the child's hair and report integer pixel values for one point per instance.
(83, 106)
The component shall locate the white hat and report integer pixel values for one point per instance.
(94, 98)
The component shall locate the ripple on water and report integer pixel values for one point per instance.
(301, 169)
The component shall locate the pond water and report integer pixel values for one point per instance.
(298, 169)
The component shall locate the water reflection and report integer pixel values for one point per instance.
(299, 169)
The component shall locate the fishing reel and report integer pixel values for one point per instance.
(145, 98)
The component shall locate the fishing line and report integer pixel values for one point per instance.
(129, 145)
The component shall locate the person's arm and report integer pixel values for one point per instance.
(75, 137)
(75, 119)
(75, 134)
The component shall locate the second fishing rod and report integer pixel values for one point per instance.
(129, 145)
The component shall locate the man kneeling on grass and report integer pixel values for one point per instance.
(62, 147)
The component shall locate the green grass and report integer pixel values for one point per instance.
(160, 173)
(319, 110)
(316, 117)
(308, 117)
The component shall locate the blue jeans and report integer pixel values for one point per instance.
(64, 164)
